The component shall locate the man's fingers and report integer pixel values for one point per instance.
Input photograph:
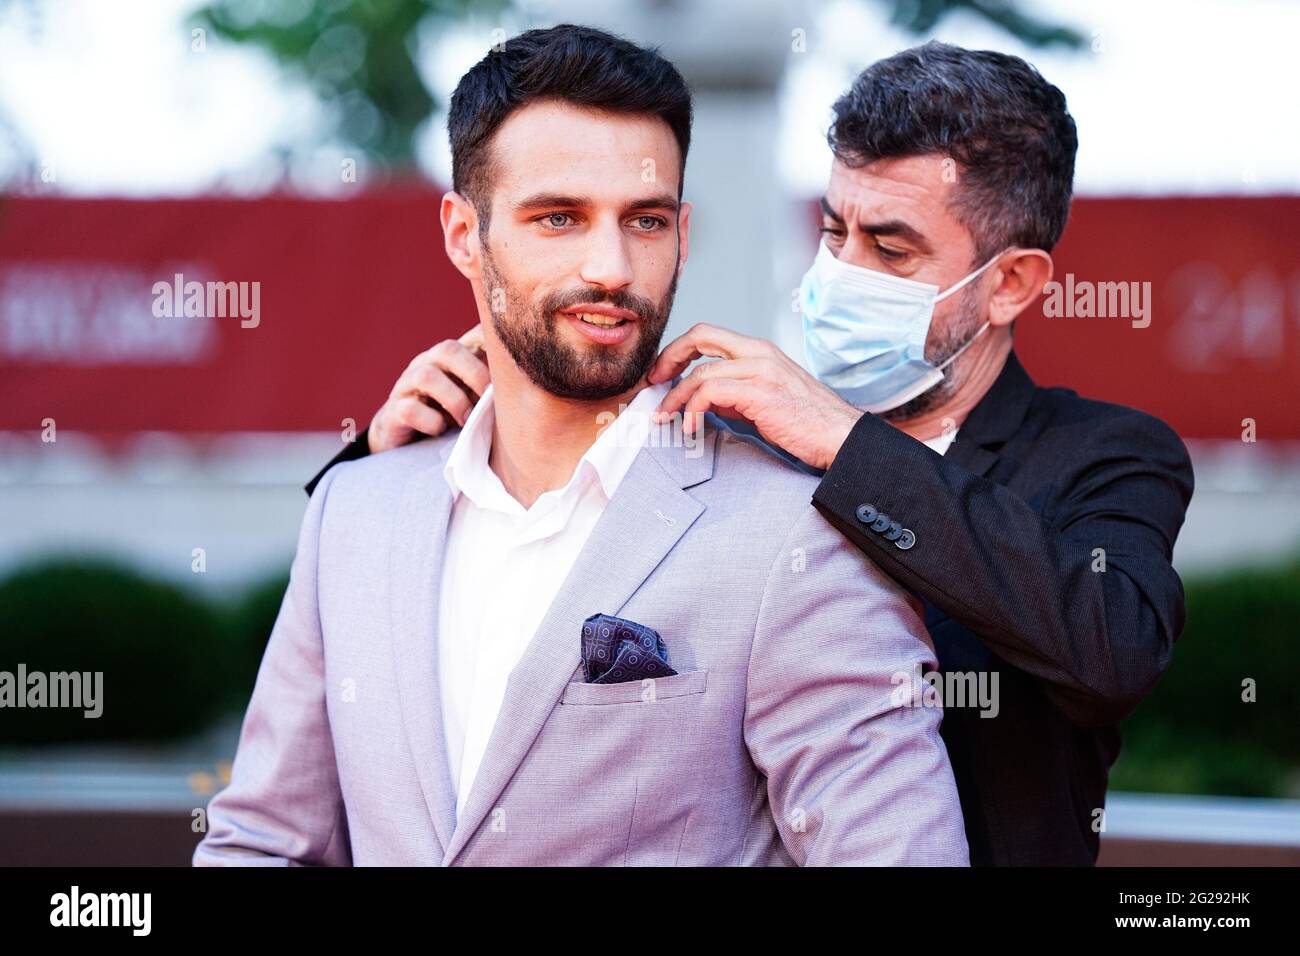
(412, 413)
(719, 394)
(702, 340)
(444, 391)
(473, 339)
(681, 393)
(457, 359)
(423, 358)
(667, 365)
(450, 357)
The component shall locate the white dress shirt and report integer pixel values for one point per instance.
(941, 441)
(504, 564)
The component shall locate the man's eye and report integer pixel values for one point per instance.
(834, 233)
(888, 253)
(648, 223)
(556, 220)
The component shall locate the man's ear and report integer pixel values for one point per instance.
(683, 235)
(460, 233)
(1023, 273)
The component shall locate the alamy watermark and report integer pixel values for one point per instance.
(212, 300)
(1099, 300)
(670, 433)
(75, 689)
(75, 908)
(947, 689)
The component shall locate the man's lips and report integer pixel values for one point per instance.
(601, 323)
(603, 309)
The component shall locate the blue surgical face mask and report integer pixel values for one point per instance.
(865, 331)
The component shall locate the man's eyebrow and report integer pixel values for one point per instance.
(831, 213)
(550, 201)
(890, 227)
(662, 201)
(558, 201)
(896, 227)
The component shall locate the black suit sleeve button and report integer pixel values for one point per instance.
(881, 523)
(866, 513)
(905, 540)
(894, 532)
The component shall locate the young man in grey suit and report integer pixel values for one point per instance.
(566, 634)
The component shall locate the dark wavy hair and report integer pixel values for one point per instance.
(576, 64)
(1006, 127)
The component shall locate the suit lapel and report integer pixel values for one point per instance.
(977, 459)
(647, 516)
(994, 420)
(415, 565)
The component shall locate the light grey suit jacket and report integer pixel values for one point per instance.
(785, 737)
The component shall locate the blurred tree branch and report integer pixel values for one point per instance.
(23, 163)
(922, 16)
(359, 56)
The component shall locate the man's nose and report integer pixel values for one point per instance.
(856, 250)
(607, 263)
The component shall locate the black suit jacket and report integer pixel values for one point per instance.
(1001, 544)
(1008, 532)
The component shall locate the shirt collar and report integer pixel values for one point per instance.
(612, 453)
(468, 473)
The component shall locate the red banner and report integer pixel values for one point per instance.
(1219, 282)
(282, 314)
(308, 310)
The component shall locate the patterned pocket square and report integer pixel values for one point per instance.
(615, 651)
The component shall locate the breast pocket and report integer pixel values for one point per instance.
(647, 691)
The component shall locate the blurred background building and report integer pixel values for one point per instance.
(151, 467)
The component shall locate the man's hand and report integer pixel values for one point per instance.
(438, 389)
(757, 381)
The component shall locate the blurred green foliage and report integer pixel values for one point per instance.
(171, 661)
(360, 56)
(246, 621)
(1195, 733)
(922, 16)
(158, 647)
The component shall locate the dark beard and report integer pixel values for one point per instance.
(530, 336)
(957, 335)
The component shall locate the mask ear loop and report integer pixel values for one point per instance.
(970, 341)
(970, 278)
